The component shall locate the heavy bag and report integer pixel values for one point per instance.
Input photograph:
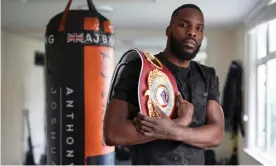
(79, 66)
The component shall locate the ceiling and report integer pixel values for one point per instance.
(143, 17)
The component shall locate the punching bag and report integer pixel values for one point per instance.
(79, 67)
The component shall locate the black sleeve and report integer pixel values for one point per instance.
(214, 92)
(126, 87)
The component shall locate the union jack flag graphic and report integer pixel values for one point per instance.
(75, 38)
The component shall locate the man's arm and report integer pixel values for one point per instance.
(118, 130)
(209, 135)
(185, 111)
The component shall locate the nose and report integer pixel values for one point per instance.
(191, 32)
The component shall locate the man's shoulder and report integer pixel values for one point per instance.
(135, 63)
(207, 70)
(131, 61)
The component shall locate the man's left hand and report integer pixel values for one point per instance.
(156, 127)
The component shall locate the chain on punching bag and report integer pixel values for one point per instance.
(79, 66)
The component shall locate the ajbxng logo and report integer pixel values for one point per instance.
(96, 38)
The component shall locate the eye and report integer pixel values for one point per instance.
(183, 25)
(200, 29)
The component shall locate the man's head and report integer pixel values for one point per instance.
(185, 32)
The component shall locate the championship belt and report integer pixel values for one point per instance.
(156, 86)
(156, 83)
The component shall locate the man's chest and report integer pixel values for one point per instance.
(195, 91)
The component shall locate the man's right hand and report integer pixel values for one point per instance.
(185, 111)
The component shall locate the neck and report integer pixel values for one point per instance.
(173, 58)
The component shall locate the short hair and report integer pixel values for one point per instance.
(184, 7)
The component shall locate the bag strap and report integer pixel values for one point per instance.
(91, 8)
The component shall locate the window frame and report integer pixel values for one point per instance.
(251, 96)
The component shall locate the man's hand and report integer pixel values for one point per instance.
(161, 127)
(185, 111)
(155, 127)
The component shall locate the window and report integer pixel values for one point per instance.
(271, 2)
(272, 36)
(271, 107)
(201, 57)
(264, 44)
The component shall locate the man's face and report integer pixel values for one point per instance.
(186, 33)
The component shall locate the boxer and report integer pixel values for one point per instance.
(196, 122)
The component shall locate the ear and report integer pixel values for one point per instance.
(167, 31)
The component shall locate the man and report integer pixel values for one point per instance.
(199, 123)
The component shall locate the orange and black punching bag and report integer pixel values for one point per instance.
(79, 66)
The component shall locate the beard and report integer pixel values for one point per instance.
(177, 49)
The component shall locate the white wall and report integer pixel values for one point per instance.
(22, 88)
(220, 51)
(230, 46)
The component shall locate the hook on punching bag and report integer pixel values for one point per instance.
(91, 5)
(79, 65)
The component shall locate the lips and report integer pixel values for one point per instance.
(190, 43)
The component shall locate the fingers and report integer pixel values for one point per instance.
(146, 118)
(148, 134)
(186, 102)
(154, 135)
(186, 110)
(179, 98)
(150, 119)
(142, 120)
(147, 124)
(177, 95)
(137, 121)
(146, 129)
(159, 111)
(138, 118)
(142, 129)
